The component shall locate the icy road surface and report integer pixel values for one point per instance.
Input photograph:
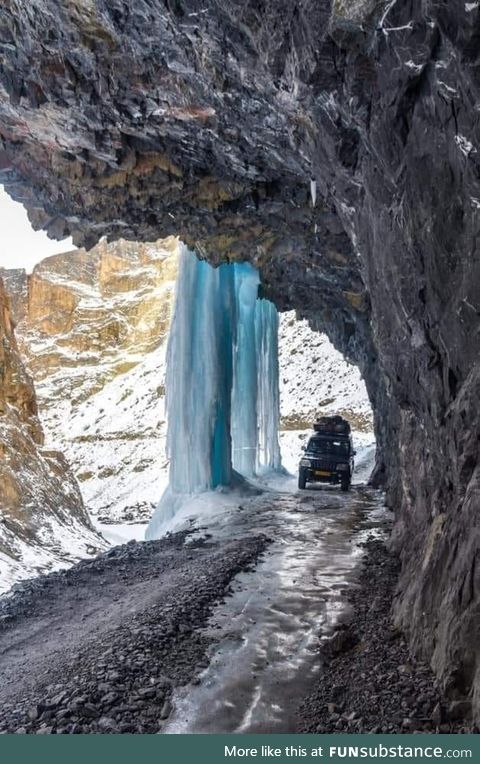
(229, 638)
(268, 633)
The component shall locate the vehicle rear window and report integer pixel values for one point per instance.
(327, 446)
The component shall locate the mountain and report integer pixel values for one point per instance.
(43, 521)
(92, 328)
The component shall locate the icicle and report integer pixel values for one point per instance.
(313, 191)
(244, 393)
(268, 400)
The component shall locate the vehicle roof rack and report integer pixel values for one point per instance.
(334, 425)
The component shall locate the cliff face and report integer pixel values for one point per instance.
(103, 310)
(92, 328)
(17, 396)
(333, 144)
(43, 523)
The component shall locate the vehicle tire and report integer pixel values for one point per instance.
(302, 479)
(345, 484)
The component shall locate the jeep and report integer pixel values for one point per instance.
(328, 457)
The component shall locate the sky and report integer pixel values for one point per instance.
(20, 245)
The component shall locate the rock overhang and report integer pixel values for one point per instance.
(172, 118)
(232, 127)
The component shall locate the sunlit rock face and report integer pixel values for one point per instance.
(335, 146)
(92, 329)
(43, 523)
(102, 309)
(17, 396)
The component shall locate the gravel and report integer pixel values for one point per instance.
(370, 682)
(99, 648)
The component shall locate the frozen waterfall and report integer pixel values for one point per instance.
(222, 382)
(199, 377)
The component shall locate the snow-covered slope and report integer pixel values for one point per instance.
(115, 439)
(315, 379)
(93, 329)
(43, 522)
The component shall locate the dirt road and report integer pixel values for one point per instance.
(145, 638)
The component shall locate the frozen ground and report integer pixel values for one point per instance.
(265, 653)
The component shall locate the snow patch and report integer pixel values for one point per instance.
(415, 67)
(465, 146)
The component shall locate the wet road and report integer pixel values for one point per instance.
(267, 634)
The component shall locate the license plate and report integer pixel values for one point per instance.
(322, 473)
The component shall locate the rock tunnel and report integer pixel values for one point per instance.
(333, 145)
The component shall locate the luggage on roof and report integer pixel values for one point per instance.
(332, 424)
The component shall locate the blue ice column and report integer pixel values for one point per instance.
(199, 377)
(245, 372)
(255, 395)
(268, 395)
